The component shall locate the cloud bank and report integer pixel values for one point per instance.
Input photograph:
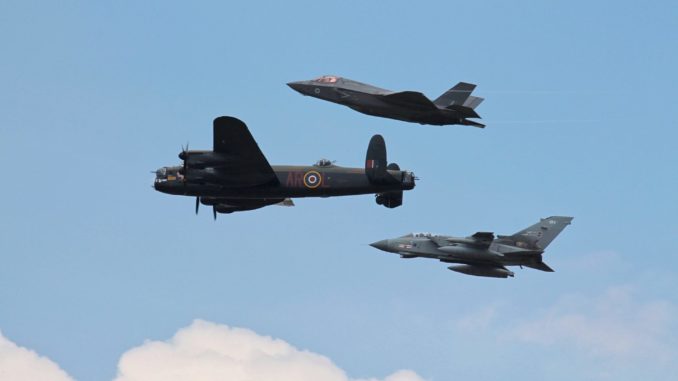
(21, 364)
(203, 351)
(207, 351)
(614, 325)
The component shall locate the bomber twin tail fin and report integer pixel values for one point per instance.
(376, 165)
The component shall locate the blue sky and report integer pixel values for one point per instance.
(580, 121)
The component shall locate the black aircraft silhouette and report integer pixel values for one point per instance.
(235, 175)
(455, 106)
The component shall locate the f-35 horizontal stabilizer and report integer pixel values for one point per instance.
(473, 102)
(467, 122)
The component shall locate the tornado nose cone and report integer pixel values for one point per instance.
(381, 245)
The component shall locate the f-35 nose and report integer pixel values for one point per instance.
(381, 245)
(303, 87)
(298, 86)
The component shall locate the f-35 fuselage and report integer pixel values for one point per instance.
(454, 107)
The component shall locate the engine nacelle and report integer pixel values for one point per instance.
(486, 271)
(389, 199)
(226, 209)
(204, 159)
(206, 175)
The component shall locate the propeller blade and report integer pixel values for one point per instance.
(214, 212)
(183, 156)
(197, 205)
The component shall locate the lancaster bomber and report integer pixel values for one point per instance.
(235, 175)
(455, 106)
(482, 254)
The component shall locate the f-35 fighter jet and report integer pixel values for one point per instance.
(455, 106)
(235, 175)
(482, 254)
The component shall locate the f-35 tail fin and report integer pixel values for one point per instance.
(459, 95)
(541, 234)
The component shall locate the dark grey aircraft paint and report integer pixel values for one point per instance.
(235, 175)
(482, 254)
(455, 106)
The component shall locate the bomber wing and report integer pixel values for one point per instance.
(245, 160)
(410, 98)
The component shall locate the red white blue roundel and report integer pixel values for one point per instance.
(312, 179)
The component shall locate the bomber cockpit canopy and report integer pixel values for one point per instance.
(323, 163)
(327, 79)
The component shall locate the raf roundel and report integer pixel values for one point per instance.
(312, 179)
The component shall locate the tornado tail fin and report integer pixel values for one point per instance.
(541, 234)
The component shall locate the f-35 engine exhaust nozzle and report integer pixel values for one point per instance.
(485, 271)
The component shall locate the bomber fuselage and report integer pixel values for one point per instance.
(293, 181)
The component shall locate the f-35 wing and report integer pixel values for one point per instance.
(410, 98)
(245, 160)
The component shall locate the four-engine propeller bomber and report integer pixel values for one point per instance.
(235, 175)
(482, 254)
(455, 106)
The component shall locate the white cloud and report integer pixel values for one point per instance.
(207, 351)
(614, 325)
(478, 320)
(21, 364)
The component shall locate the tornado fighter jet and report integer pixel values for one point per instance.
(235, 175)
(455, 106)
(482, 254)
